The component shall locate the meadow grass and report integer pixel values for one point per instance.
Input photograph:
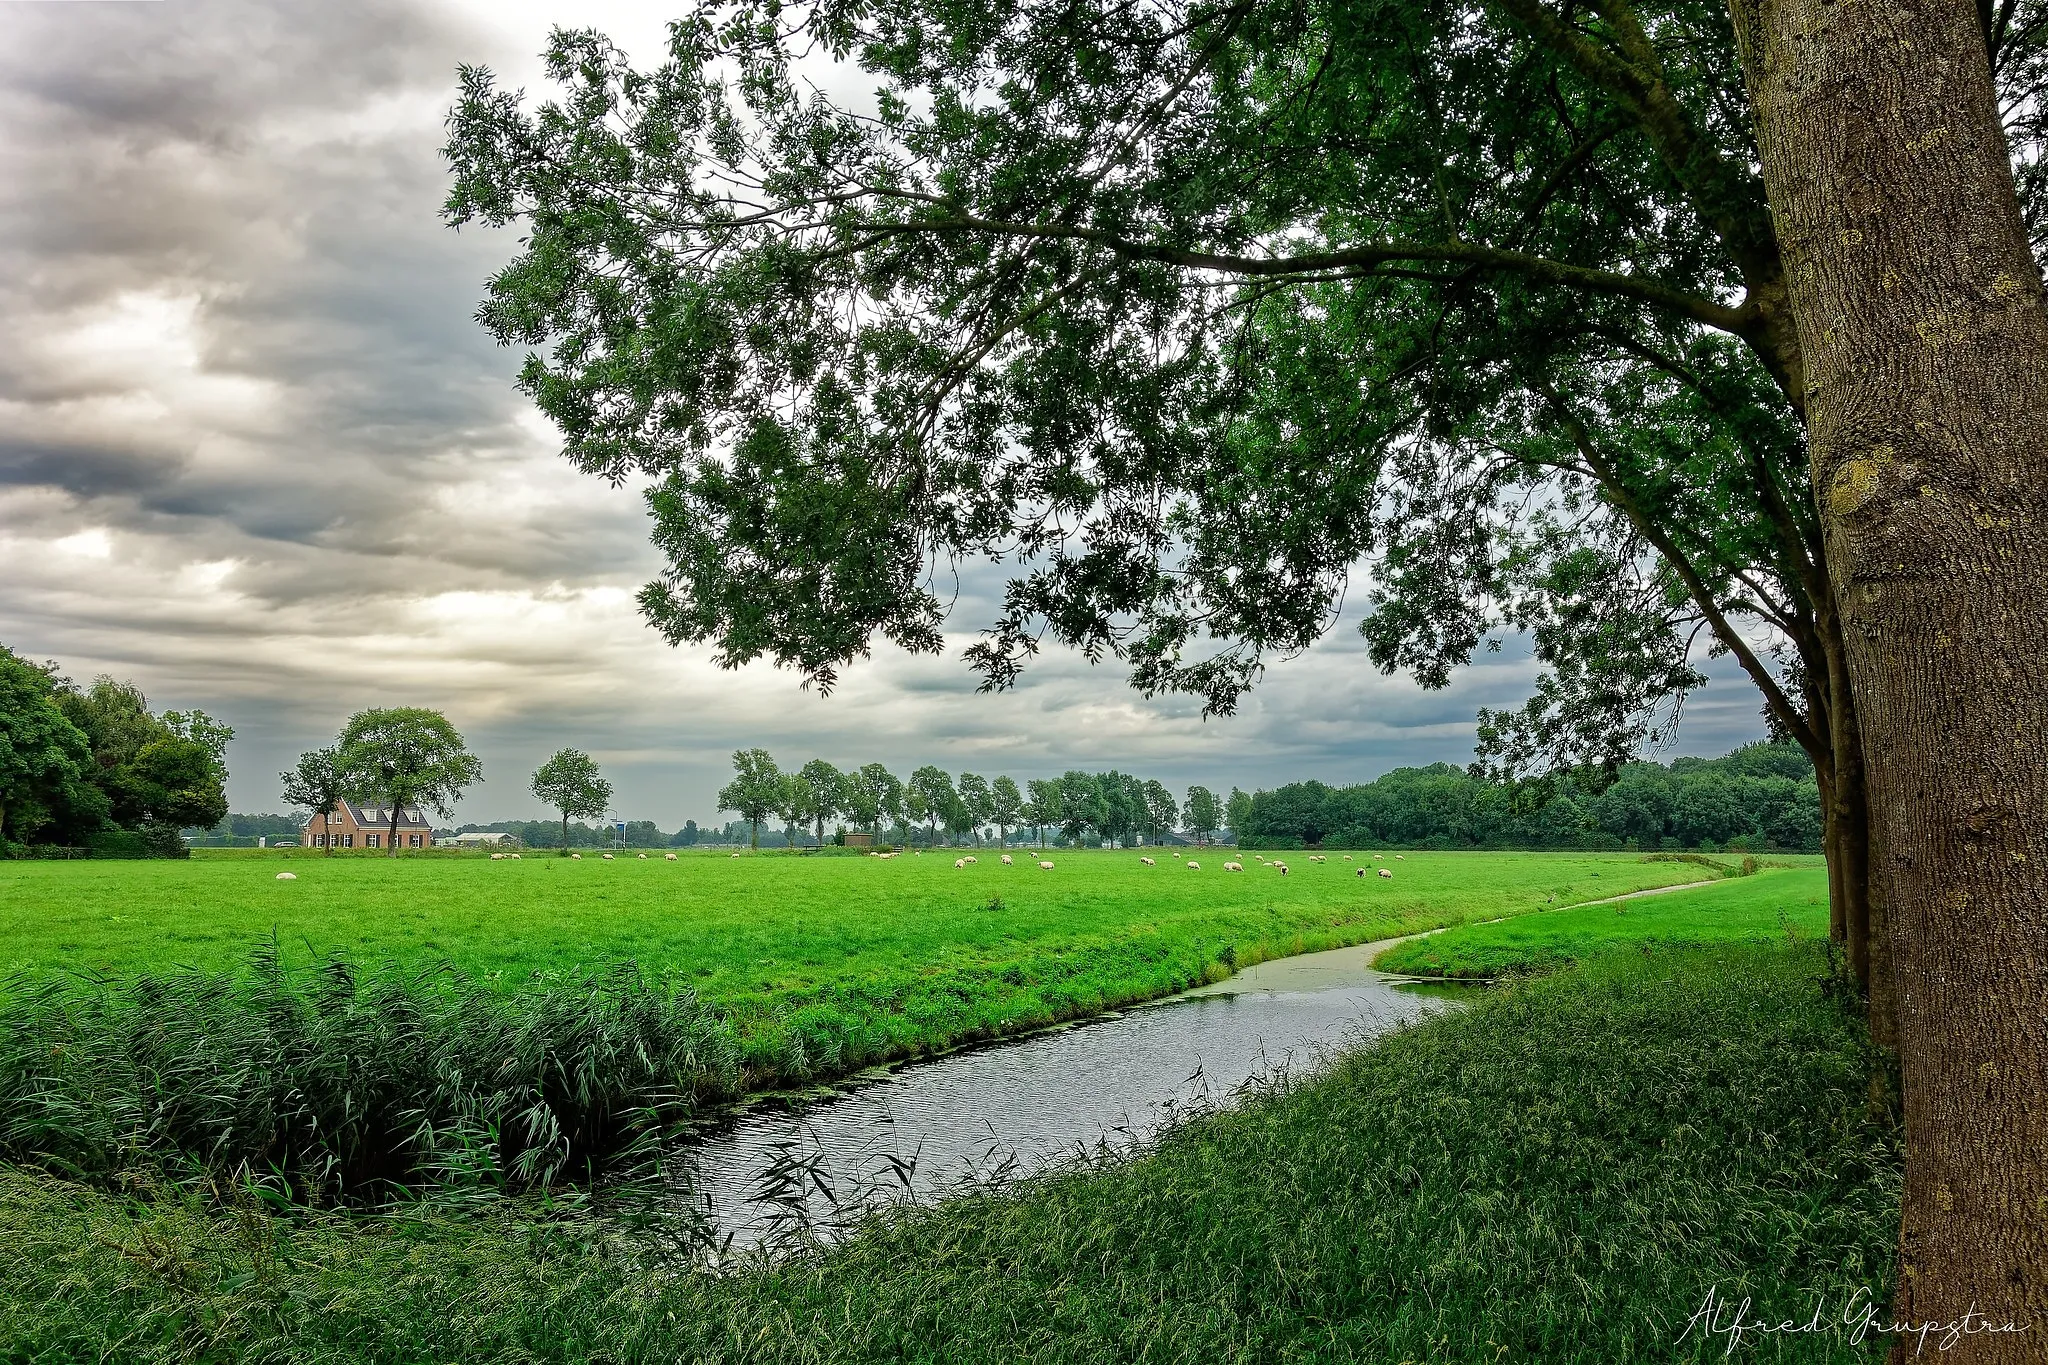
(1560, 1173)
(824, 964)
(1772, 904)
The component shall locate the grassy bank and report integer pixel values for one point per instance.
(1766, 907)
(1559, 1174)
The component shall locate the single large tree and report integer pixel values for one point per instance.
(755, 789)
(821, 793)
(317, 783)
(1191, 306)
(976, 801)
(1203, 813)
(406, 757)
(1006, 807)
(571, 783)
(45, 760)
(1043, 807)
(932, 792)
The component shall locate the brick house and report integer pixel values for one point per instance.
(354, 826)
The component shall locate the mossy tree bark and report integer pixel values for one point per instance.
(1926, 350)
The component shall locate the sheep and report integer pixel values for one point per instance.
(1347, 857)
(1233, 867)
(287, 876)
(1195, 865)
(1400, 857)
(1148, 862)
(1387, 872)
(969, 859)
(669, 856)
(1007, 862)
(959, 862)
(643, 857)
(735, 855)
(513, 856)
(577, 856)
(606, 856)
(1045, 867)
(1360, 872)
(497, 857)
(1282, 868)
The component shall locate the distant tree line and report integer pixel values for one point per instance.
(93, 767)
(1762, 796)
(932, 806)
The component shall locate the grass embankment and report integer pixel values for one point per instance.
(1770, 905)
(538, 1054)
(1560, 1174)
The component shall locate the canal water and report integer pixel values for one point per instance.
(1009, 1109)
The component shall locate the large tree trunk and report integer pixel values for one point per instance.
(1919, 306)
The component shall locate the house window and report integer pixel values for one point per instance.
(348, 841)
(370, 840)
(413, 839)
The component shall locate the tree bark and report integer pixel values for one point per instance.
(1919, 307)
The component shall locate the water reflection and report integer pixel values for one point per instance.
(1014, 1108)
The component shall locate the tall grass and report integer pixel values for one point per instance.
(1558, 1174)
(333, 1084)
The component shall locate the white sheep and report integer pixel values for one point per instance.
(1195, 865)
(643, 857)
(1347, 857)
(577, 856)
(735, 855)
(969, 859)
(1233, 867)
(497, 857)
(1400, 857)
(1387, 872)
(606, 856)
(1282, 867)
(1045, 867)
(669, 856)
(513, 856)
(959, 862)
(1007, 862)
(1361, 872)
(1148, 862)
(287, 876)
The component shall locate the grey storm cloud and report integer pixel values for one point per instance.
(256, 454)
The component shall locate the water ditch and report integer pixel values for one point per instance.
(815, 1165)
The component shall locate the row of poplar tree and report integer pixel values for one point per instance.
(1116, 807)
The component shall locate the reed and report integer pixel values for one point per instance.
(335, 1084)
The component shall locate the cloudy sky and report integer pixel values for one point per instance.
(255, 455)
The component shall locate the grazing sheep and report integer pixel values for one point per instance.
(1347, 857)
(1148, 862)
(287, 876)
(1195, 865)
(969, 859)
(959, 862)
(735, 855)
(579, 857)
(1233, 867)
(1360, 872)
(606, 856)
(513, 856)
(669, 856)
(1007, 862)
(1045, 867)
(497, 857)
(1387, 873)
(643, 857)
(1400, 857)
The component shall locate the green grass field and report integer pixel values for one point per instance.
(1770, 905)
(911, 945)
